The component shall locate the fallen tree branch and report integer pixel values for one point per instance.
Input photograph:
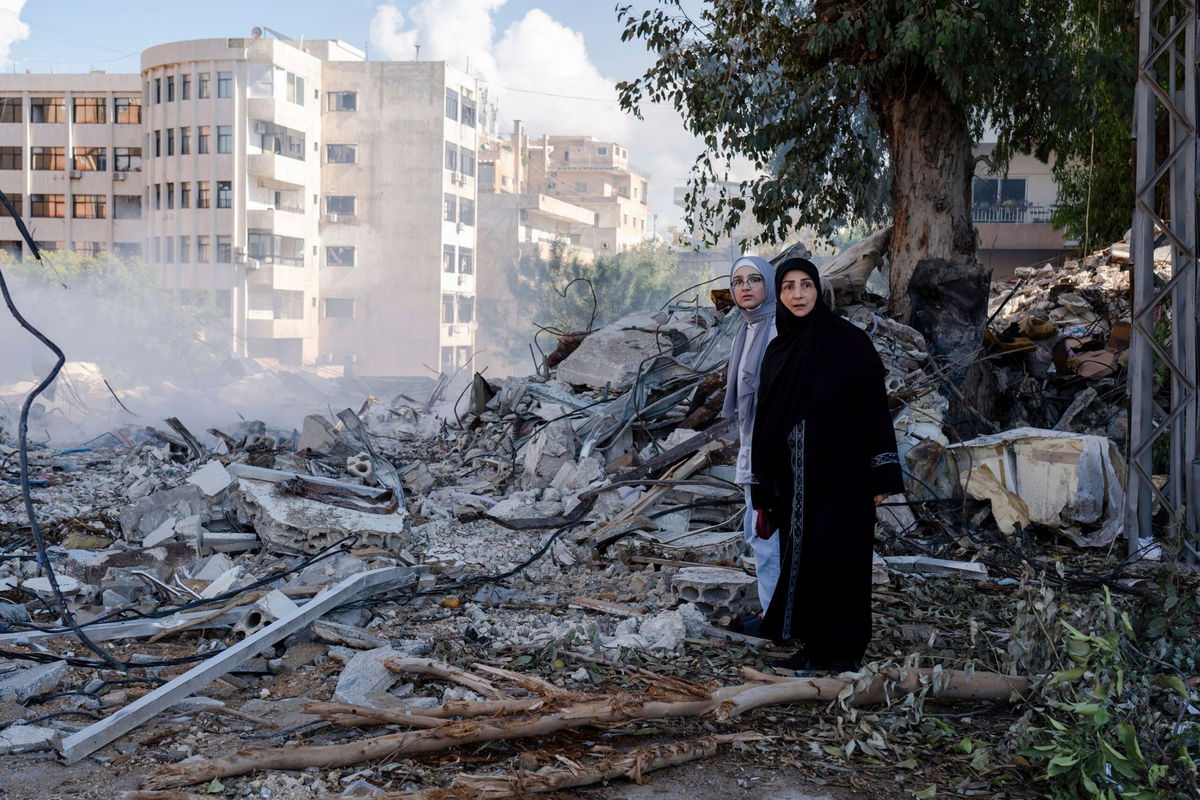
(428, 666)
(631, 765)
(356, 716)
(724, 703)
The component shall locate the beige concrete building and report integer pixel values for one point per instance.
(71, 161)
(326, 202)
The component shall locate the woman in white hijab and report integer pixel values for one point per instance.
(752, 281)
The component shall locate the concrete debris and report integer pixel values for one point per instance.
(586, 513)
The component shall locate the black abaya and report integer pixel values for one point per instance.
(823, 448)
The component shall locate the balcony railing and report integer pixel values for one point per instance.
(1018, 213)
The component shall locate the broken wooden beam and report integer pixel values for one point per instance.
(80, 744)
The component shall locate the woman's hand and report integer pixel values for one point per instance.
(762, 524)
(879, 498)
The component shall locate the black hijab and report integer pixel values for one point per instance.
(790, 363)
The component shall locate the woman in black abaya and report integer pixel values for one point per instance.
(824, 455)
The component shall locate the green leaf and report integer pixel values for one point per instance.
(1068, 675)
(1173, 682)
(928, 793)
(1128, 736)
(521, 661)
(964, 746)
(216, 787)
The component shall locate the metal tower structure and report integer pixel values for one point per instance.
(1163, 434)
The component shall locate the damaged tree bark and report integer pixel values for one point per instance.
(722, 703)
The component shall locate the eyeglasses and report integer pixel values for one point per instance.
(752, 280)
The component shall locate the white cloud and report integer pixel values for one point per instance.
(12, 29)
(539, 72)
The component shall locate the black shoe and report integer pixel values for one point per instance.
(747, 624)
(840, 666)
(801, 664)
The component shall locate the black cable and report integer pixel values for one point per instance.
(23, 444)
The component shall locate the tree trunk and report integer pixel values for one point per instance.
(930, 149)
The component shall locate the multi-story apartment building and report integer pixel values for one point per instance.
(326, 202)
(71, 160)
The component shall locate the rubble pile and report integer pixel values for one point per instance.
(573, 533)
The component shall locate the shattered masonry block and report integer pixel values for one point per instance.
(550, 448)
(42, 679)
(27, 739)
(359, 465)
(716, 591)
(211, 479)
(147, 514)
(267, 610)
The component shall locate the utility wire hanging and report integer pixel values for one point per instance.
(23, 445)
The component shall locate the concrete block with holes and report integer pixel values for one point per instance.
(717, 591)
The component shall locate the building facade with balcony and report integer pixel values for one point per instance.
(71, 161)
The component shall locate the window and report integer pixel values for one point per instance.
(127, 159)
(185, 93)
(50, 246)
(170, 141)
(170, 196)
(185, 194)
(342, 101)
(339, 256)
(127, 250)
(90, 110)
(601, 151)
(295, 89)
(341, 204)
(466, 211)
(224, 249)
(47, 205)
(10, 157)
(452, 104)
(449, 208)
(127, 206)
(48, 158)
(185, 141)
(89, 206)
(224, 84)
(12, 248)
(10, 109)
(202, 139)
(466, 308)
(185, 246)
(127, 110)
(202, 90)
(998, 191)
(466, 162)
(339, 307)
(90, 159)
(224, 138)
(468, 113)
(15, 199)
(170, 88)
(466, 261)
(341, 153)
(156, 137)
(448, 258)
(447, 308)
(224, 194)
(280, 140)
(202, 195)
(202, 249)
(47, 109)
(270, 248)
(155, 249)
(88, 249)
(451, 157)
(157, 98)
(580, 186)
(168, 249)
(158, 197)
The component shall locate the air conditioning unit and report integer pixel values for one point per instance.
(75, 173)
(452, 330)
(260, 126)
(332, 218)
(326, 358)
(462, 279)
(118, 176)
(460, 227)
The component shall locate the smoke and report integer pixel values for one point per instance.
(12, 29)
(542, 74)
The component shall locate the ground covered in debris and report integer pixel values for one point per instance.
(528, 589)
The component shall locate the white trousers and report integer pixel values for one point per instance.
(766, 554)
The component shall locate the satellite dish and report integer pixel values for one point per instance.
(256, 32)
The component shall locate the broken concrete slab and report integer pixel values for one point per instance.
(937, 566)
(27, 739)
(310, 525)
(143, 517)
(365, 679)
(26, 683)
(716, 591)
(612, 356)
(211, 479)
(550, 448)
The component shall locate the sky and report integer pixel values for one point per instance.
(550, 63)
